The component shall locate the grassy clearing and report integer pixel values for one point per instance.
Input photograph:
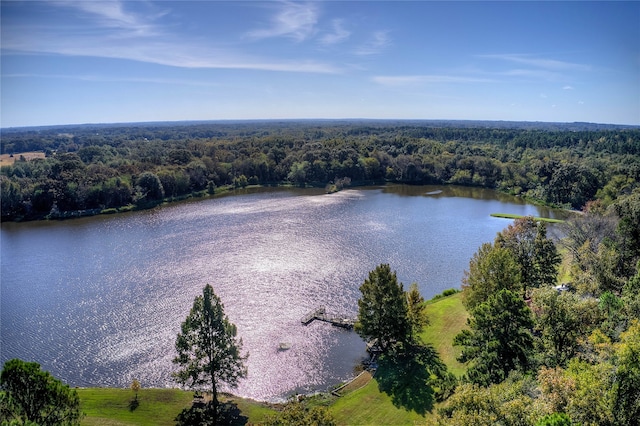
(256, 412)
(564, 270)
(111, 407)
(8, 159)
(369, 406)
(358, 382)
(518, 216)
(447, 318)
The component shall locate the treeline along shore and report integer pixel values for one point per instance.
(109, 168)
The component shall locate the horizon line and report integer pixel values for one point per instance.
(352, 119)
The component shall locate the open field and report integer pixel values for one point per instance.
(8, 159)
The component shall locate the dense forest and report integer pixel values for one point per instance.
(107, 168)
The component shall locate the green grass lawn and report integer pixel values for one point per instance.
(447, 316)
(110, 406)
(369, 406)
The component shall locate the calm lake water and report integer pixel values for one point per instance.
(98, 301)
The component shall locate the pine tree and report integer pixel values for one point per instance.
(208, 351)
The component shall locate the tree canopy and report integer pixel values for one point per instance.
(492, 268)
(498, 340)
(535, 254)
(382, 309)
(562, 320)
(31, 396)
(416, 311)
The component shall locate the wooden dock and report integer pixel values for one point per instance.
(320, 314)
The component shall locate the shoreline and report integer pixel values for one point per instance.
(230, 190)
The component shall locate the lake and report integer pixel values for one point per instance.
(98, 301)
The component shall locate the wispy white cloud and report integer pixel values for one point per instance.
(537, 62)
(112, 32)
(406, 80)
(337, 35)
(171, 53)
(112, 14)
(379, 40)
(294, 20)
(112, 79)
(535, 74)
(567, 88)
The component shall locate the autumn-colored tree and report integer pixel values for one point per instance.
(135, 387)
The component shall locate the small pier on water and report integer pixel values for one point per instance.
(320, 314)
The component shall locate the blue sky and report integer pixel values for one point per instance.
(71, 62)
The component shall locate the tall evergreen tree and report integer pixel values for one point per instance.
(382, 309)
(208, 350)
(498, 339)
(416, 310)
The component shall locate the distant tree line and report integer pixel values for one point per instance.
(94, 169)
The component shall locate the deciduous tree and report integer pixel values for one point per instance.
(536, 255)
(626, 386)
(491, 269)
(149, 188)
(509, 403)
(32, 396)
(562, 319)
(135, 387)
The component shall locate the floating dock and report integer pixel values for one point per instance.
(320, 314)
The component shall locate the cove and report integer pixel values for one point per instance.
(98, 301)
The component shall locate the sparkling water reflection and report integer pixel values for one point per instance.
(98, 301)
